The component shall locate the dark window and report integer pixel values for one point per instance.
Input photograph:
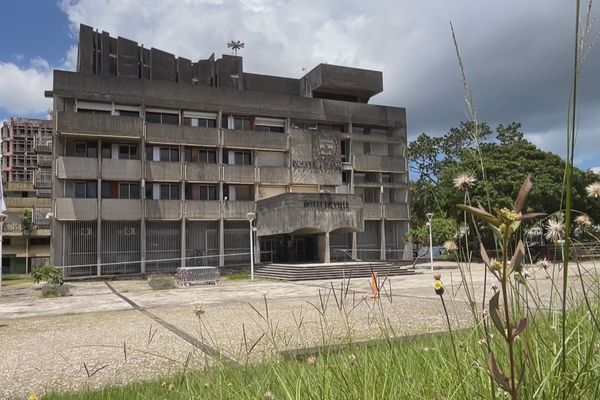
(154, 118)
(90, 111)
(106, 150)
(201, 155)
(149, 153)
(128, 152)
(346, 176)
(171, 119)
(85, 189)
(169, 154)
(345, 150)
(129, 190)
(127, 113)
(243, 123)
(268, 128)
(201, 192)
(105, 190)
(200, 122)
(149, 191)
(243, 158)
(39, 241)
(80, 149)
(169, 191)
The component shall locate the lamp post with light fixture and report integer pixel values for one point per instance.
(429, 219)
(251, 216)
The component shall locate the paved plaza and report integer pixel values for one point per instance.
(119, 331)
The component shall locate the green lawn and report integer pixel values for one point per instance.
(237, 276)
(15, 279)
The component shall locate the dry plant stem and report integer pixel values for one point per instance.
(569, 190)
(509, 338)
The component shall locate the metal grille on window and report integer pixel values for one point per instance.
(394, 239)
(120, 247)
(237, 242)
(340, 246)
(163, 242)
(368, 242)
(80, 248)
(202, 243)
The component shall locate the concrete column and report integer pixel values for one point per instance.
(221, 242)
(354, 246)
(99, 209)
(327, 249)
(143, 198)
(182, 201)
(382, 240)
(256, 248)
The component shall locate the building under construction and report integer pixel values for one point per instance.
(26, 173)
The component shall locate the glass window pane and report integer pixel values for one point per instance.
(187, 121)
(123, 152)
(174, 192)
(91, 190)
(134, 190)
(174, 155)
(80, 149)
(105, 190)
(149, 153)
(164, 153)
(123, 191)
(164, 192)
(79, 190)
(238, 123)
(106, 150)
(149, 191)
(212, 193)
(133, 152)
(171, 119)
(153, 118)
(247, 124)
(212, 157)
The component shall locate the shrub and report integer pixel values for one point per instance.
(48, 273)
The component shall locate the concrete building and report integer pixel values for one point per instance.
(26, 175)
(158, 160)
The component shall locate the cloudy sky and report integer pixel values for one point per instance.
(517, 54)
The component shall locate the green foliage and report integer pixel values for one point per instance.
(26, 221)
(48, 273)
(442, 229)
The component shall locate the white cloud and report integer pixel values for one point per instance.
(22, 89)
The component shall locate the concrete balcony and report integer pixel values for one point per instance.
(42, 179)
(18, 187)
(19, 202)
(122, 170)
(99, 125)
(396, 211)
(121, 209)
(159, 133)
(372, 211)
(195, 172)
(163, 209)
(368, 162)
(163, 171)
(255, 140)
(76, 168)
(274, 175)
(70, 209)
(199, 209)
(237, 209)
(44, 160)
(239, 173)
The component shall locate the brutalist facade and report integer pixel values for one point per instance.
(158, 160)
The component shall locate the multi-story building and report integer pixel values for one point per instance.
(159, 160)
(26, 173)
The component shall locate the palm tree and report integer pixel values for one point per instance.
(235, 45)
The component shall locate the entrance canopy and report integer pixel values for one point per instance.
(309, 213)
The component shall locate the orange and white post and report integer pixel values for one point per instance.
(374, 285)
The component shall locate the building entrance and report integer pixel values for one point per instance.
(289, 248)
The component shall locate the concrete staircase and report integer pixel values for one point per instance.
(352, 269)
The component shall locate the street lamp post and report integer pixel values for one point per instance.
(251, 217)
(2, 219)
(429, 218)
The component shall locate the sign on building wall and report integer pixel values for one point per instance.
(316, 157)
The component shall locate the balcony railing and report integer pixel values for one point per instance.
(99, 125)
(396, 211)
(42, 179)
(163, 171)
(121, 169)
(239, 173)
(369, 162)
(372, 211)
(163, 209)
(44, 160)
(255, 139)
(159, 133)
(70, 209)
(202, 209)
(76, 168)
(195, 172)
(121, 209)
(274, 175)
(237, 209)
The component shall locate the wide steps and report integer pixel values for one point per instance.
(303, 272)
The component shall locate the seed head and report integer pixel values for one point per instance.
(312, 360)
(583, 220)
(543, 264)
(464, 182)
(555, 229)
(593, 190)
(450, 246)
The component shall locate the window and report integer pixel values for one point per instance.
(128, 113)
(169, 191)
(162, 118)
(238, 192)
(366, 148)
(169, 154)
(201, 155)
(106, 151)
(39, 241)
(237, 157)
(85, 189)
(129, 190)
(345, 145)
(91, 111)
(346, 176)
(200, 192)
(128, 152)
(85, 149)
(80, 149)
(200, 122)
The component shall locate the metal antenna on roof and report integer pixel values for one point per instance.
(235, 45)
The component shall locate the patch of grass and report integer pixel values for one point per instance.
(238, 276)
(416, 368)
(15, 279)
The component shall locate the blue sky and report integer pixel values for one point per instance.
(517, 54)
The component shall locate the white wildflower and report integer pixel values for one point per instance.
(450, 246)
(464, 182)
(593, 189)
(583, 220)
(555, 229)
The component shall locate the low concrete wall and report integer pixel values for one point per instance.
(396, 211)
(76, 168)
(274, 175)
(255, 140)
(99, 124)
(163, 209)
(237, 209)
(372, 211)
(121, 209)
(175, 134)
(70, 209)
(367, 162)
(121, 169)
(199, 210)
(239, 173)
(163, 171)
(195, 172)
